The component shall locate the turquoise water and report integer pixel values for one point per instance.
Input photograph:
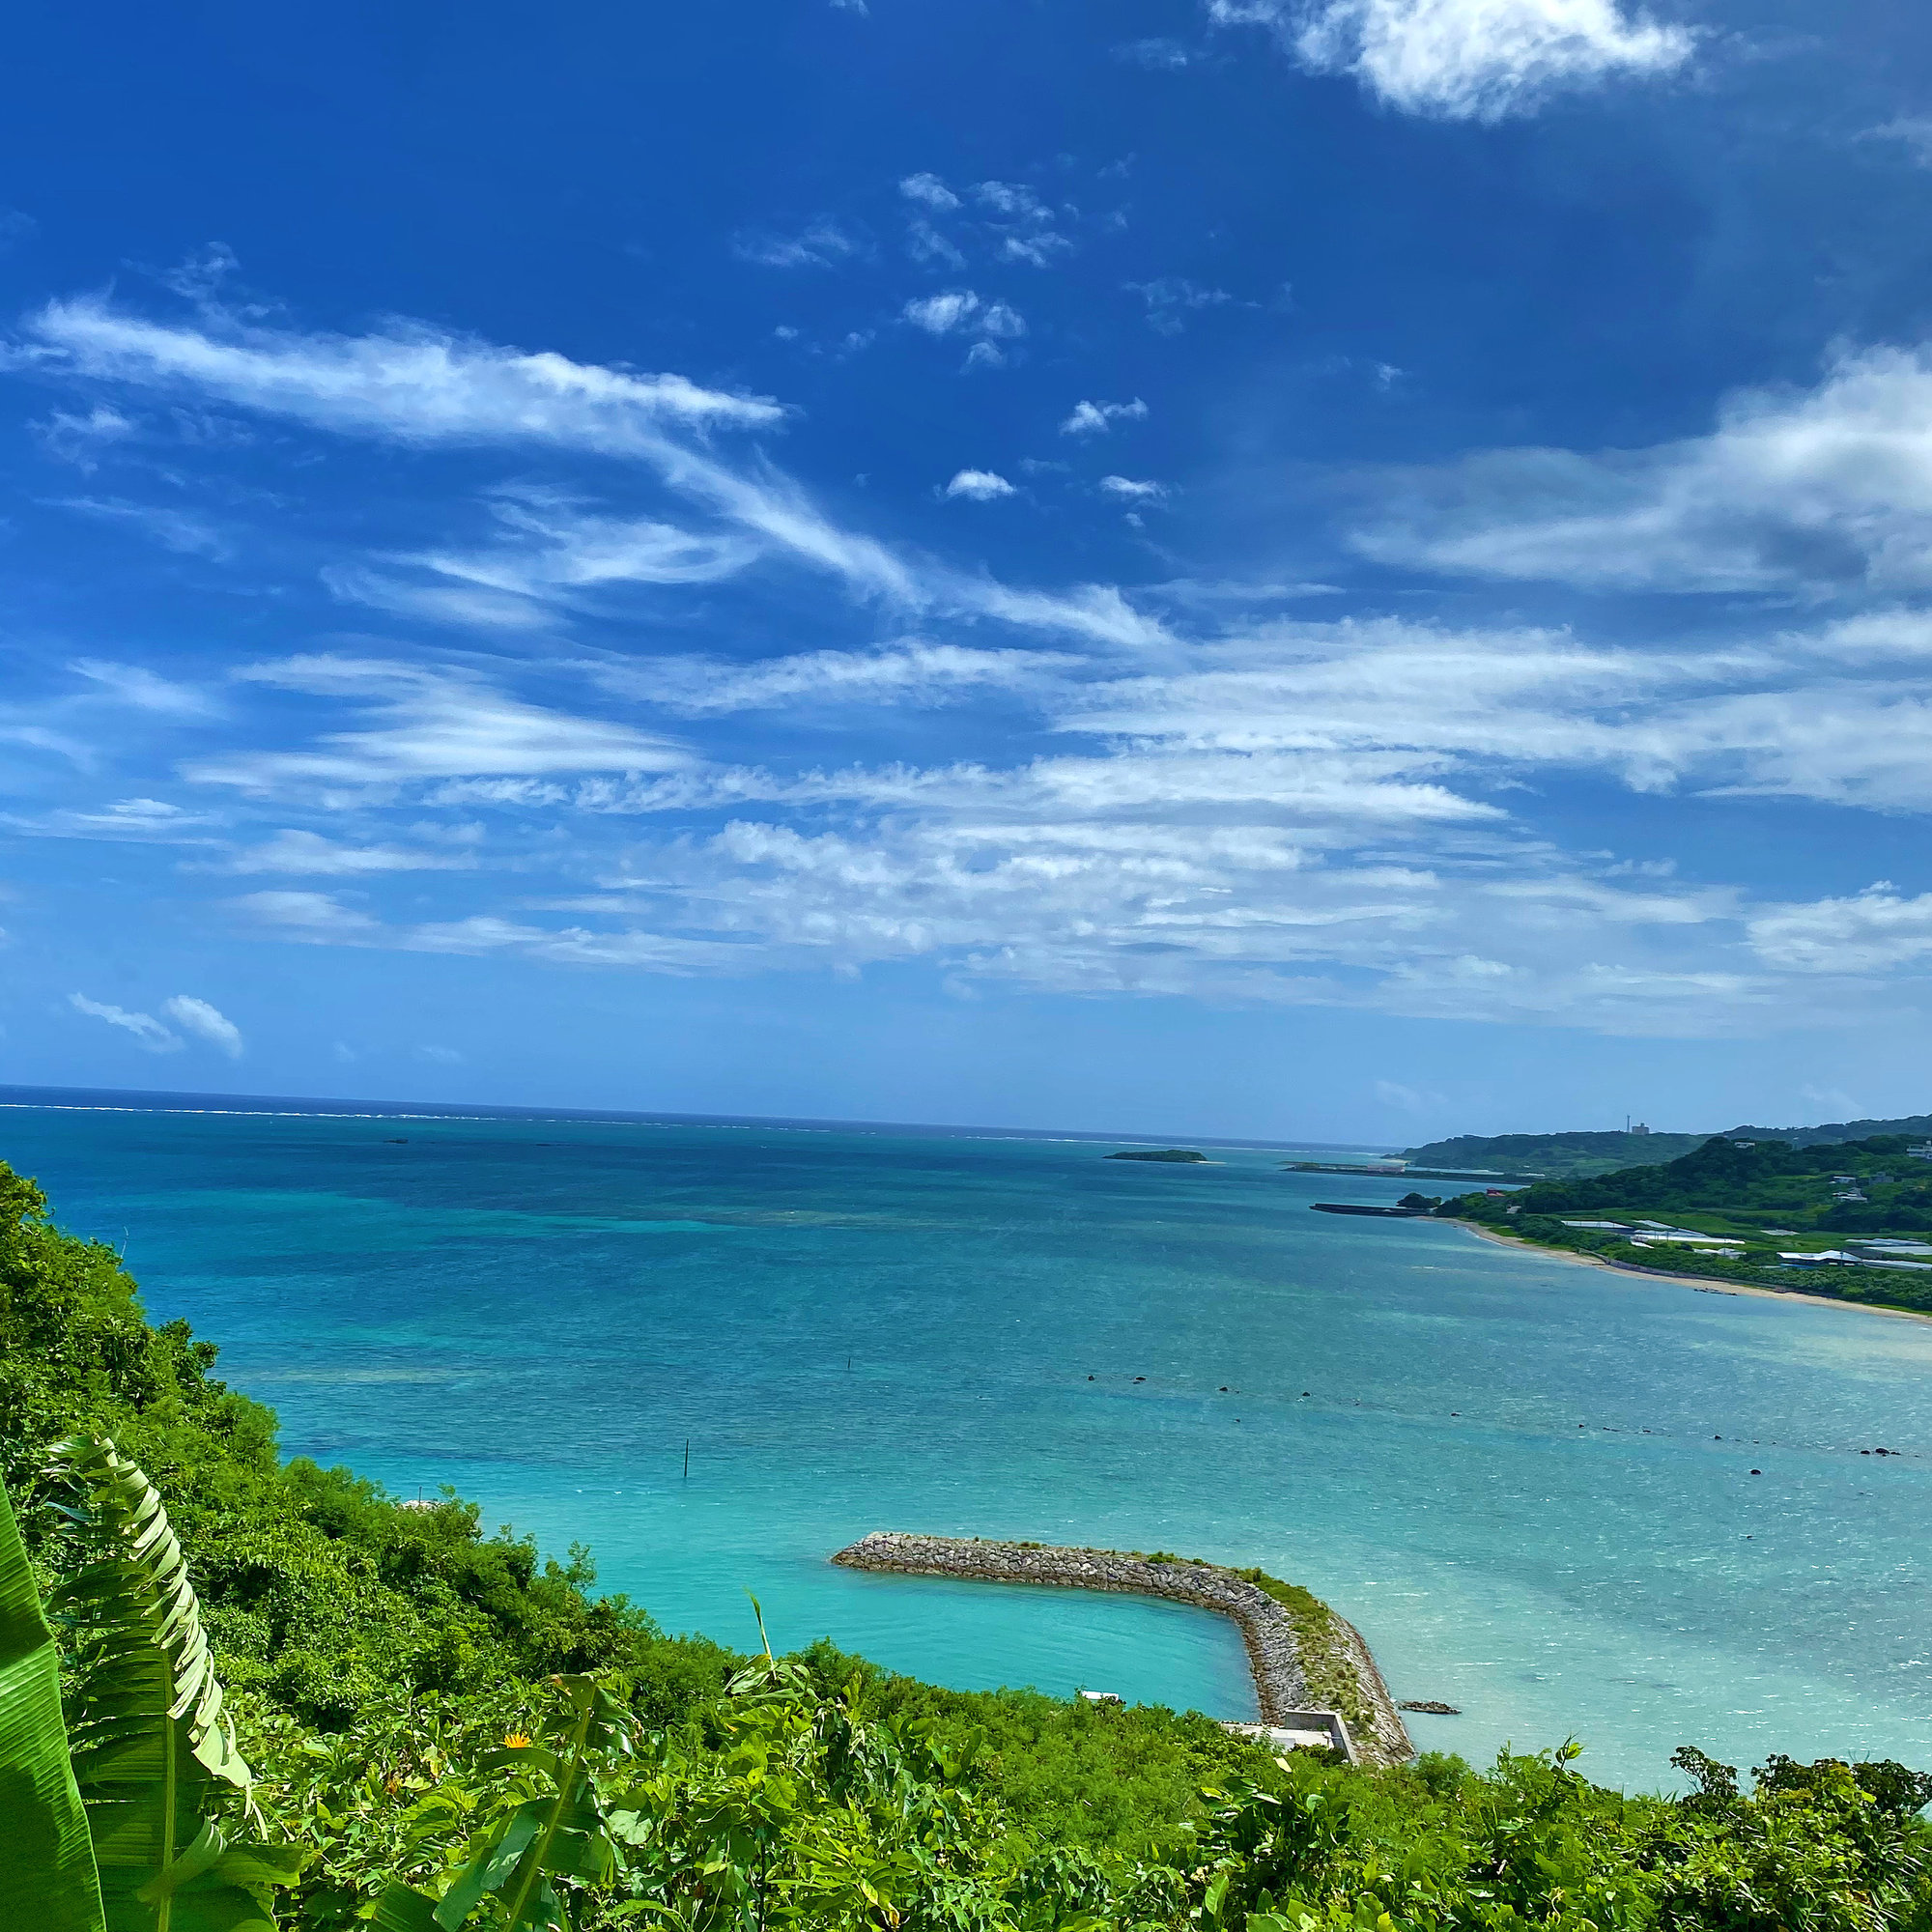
(1527, 1482)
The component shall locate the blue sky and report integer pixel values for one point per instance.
(1347, 568)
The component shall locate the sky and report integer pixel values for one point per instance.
(1328, 569)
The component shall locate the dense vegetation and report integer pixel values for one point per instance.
(448, 1732)
(1772, 1197)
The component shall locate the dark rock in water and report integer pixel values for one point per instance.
(1433, 1709)
(1159, 1153)
(1361, 1207)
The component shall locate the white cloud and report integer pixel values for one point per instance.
(80, 440)
(422, 387)
(1876, 931)
(440, 1055)
(147, 1031)
(1011, 198)
(1816, 490)
(145, 690)
(197, 1016)
(552, 556)
(178, 530)
(419, 385)
(316, 918)
(1131, 490)
(941, 315)
(915, 672)
(1040, 249)
(1311, 813)
(925, 243)
(1913, 131)
(820, 245)
(961, 309)
(1156, 54)
(1468, 60)
(1097, 418)
(295, 851)
(979, 486)
(1171, 298)
(929, 192)
(427, 725)
(145, 820)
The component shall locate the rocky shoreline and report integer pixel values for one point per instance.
(1273, 1643)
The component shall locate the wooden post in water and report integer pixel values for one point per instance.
(687, 1458)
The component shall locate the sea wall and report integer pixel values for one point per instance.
(1273, 1643)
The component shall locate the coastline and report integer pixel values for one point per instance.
(1705, 1283)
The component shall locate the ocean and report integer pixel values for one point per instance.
(1568, 1502)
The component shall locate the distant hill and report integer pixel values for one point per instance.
(1579, 1155)
(1561, 1156)
(1919, 1125)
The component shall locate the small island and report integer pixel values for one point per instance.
(1159, 1153)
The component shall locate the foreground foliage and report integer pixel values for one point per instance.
(499, 1751)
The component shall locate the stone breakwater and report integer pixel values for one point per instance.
(1274, 1645)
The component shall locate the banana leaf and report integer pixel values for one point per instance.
(47, 1857)
(151, 1744)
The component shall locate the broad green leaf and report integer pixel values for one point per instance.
(403, 1909)
(149, 1735)
(47, 1857)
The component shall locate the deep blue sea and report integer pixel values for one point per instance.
(1529, 1483)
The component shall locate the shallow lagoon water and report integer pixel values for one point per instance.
(1527, 1482)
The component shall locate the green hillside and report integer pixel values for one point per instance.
(1562, 1156)
(1555, 1154)
(1917, 1126)
(1772, 1198)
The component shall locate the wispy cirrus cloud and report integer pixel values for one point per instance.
(297, 852)
(144, 1028)
(1171, 298)
(419, 388)
(819, 245)
(179, 530)
(423, 724)
(416, 384)
(915, 672)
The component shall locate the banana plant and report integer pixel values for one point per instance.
(151, 1750)
(47, 1879)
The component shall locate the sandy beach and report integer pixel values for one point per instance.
(1703, 1284)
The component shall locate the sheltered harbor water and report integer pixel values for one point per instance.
(1526, 1482)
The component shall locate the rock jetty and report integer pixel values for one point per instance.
(1273, 1643)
